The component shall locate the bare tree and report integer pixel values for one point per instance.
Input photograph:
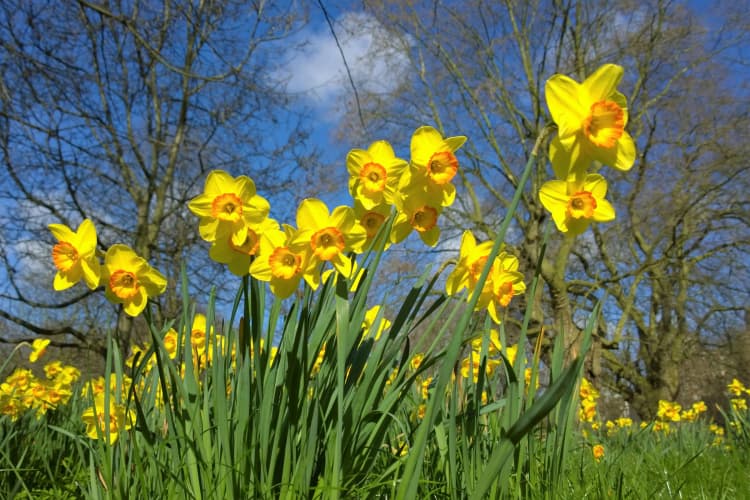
(673, 268)
(115, 112)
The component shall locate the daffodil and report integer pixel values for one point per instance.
(130, 280)
(239, 257)
(419, 213)
(69, 375)
(52, 369)
(587, 411)
(97, 387)
(472, 364)
(170, 343)
(38, 347)
(574, 206)
(369, 326)
(433, 165)
(471, 260)
(598, 452)
(591, 118)
(330, 235)
(587, 391)
(374, 174)
(493, 346)
(738, 404)
(503, 283)
(228, 206)
(668, 411)
(74, 255)
(284, 261)
(735, 387)
(107, 423)
(372, 219)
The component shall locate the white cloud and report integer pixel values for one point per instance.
(376, 59)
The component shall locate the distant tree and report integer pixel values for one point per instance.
(115, 111)
(673, 268)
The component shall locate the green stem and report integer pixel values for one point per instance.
(408, 489)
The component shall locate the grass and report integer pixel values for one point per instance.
(319, 403)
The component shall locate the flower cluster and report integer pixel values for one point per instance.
(127, 278)
(471, 363)
(738, 420)
(22, 390)
(235, 219)
(587, 410)
(202, 341)
(419, 189)
(106, 421)
(591, 118)
(503, 282)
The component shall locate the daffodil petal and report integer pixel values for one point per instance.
(91, 272)
(86, 237)
(62, 232)
(563, 101)
(62, 282)
(604, 211)
(601, 84)
(312, 214)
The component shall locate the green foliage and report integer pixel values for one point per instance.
(311, 404)
(44, 457)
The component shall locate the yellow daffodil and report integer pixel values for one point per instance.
(202, 340)
(668, 411)
(17, 382)
(137, 353)
(318, 360)
(228, 206)
(238, 257)
(330, 235)
(598, 452)
(511, 352)
(591, 118)
(372, 220)
(74, 255)
(368, 325)
(52, 369)
(587, 411)
(130, 280)
(374, 174)
(738, 404)
(699, 407)
(574, 206)
(735, 387)
(416, 361)
(170, 343)
(38, 347)
(624, 422)
(588, 391)
(284, 262)
(101, 424)
(425, 387)
(471, 260)
(493, 344)
(472, 364)
(96, 387)
(433, 165)
(503, 283)
(68, 376)
(417, 212)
